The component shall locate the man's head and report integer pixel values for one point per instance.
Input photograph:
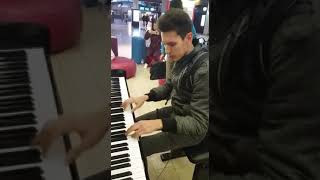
(176, 4)
(176, 33)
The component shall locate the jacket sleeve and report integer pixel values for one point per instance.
(196, 120)
(162, 92)
(290, 127)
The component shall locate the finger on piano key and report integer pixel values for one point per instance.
(131, 133)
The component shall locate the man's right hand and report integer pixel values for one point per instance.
(137, 101)
(91, 127)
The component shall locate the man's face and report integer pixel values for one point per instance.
(175, 46)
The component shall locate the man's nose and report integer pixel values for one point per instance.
(168, 49)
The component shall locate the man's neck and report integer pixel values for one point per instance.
(189, 49)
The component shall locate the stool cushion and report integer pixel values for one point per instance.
(63, 18)
(125, 64)
(197, 154)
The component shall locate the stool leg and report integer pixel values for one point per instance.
(195, 172)
(201, 172)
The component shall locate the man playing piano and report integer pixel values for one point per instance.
(184, 123)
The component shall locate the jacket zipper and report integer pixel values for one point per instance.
(241, 28)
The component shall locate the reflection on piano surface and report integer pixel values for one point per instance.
(126, 159)
(26, 103)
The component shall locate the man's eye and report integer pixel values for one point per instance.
(171, 44)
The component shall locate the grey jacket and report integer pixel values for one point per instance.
(189, 94)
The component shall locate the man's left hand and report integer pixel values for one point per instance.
(144, 127)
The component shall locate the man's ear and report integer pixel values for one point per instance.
(189, 36)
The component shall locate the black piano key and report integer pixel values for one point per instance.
(30, 177)
(118, 135)
(113, 91)
(119, 145)
(115, 87)
(19, 157)
(12, 59)
(121, 138)
(15, 92)
(118, 127)
(119, 110)
(13, 54)
(124, 174)
(17, 119)
(125, 165)
(116, 116)
(115, 99)
(21, 102)
(126, 178)
(16, 108)
(17, 137)
(116, 90)
(120, 161)
(117, 120)
(14, 81)
(120, 156)
(114, 79)
(115, 94)
(14, 87)
(15, 143)
(119, 149)
(18, 132)
(20, 98)
(13, 75)
(116, 104)
(18, 174)
(118, 124)
(118, 132)
(16, 66)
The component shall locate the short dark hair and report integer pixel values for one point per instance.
(176, 4)
(175, 20)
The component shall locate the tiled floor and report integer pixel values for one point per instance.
(178, 169)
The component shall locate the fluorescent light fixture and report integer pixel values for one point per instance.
(203, 18)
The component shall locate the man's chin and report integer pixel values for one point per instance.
(172, 59)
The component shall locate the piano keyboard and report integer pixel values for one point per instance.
(26, 103)
(126, 160)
